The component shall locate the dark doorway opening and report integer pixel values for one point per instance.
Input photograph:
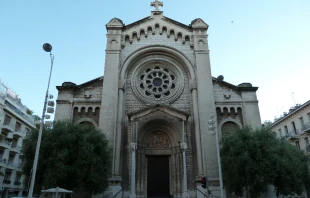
(158, 176)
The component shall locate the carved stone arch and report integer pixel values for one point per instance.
(135, 34)
(225, 121)
(76, 110)
(83, 108)
(155, 49)
(158, 140)
(186, 38)
(157, 26)
(128, 38)
(178, 36)
(171, 32)
(164, 29)
(151, 29)
(87, 120)
(151, 127)
(113, 44)
(142, 31)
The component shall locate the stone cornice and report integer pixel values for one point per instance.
(151, 109)
(289, 115)
(234, 87)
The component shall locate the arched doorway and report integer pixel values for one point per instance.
(158, 133)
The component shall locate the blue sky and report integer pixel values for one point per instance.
(262, 42)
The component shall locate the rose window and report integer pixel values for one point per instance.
(157, 82)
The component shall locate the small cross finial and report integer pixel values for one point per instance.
(157, 4)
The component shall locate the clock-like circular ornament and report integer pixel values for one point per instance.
(157, 82)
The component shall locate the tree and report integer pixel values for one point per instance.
(71, 156)
(253, 159)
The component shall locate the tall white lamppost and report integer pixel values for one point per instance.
(213, 131)
(48, 106)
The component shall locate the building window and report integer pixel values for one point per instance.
(307, 141)
(301, 119)
(308, 116)
(286, 130)
(297, 144)
(280, 133)
(17, 126)
(7, 120)
(27, 130)
(294, 127)
(7, 176)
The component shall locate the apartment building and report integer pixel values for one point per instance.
(295, 126)
(15, 122)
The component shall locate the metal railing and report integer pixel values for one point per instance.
(305, 127)
(9, 126)
(292, 134)
(20, 133)
(204, 194)
(5, 143)
(121, 190)
(20, 111)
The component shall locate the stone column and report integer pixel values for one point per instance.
(184, 194)
(199, 157)
(118, 135)
(133, 170)
(183, 148)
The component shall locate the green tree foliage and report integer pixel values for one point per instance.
(71, 157)
(253, 159)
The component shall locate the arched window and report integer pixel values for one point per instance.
(86, 124)
(229, 127)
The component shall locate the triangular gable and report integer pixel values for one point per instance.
(199, 23)
(162, 108)
(115, 23)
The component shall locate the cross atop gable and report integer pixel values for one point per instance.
(157, 4)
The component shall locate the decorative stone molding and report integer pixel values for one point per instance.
(183, 146)
(158, 140)
(133, 146)
(88, 92)
(193, 84)
(175, 56)
(158, 80)
(161, 24)
(87, 120)
(115, 23)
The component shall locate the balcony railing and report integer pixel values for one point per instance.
(2, 161)
(19, 133)
(292, 135)
(6, 181)
(17, 183)
(20, 111)
(16, 149)
(305, 127)
(5, 143)
(8, 127)
(10, 164)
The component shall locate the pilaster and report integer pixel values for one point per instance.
(110, 118)
(205, 100)
(64, 101)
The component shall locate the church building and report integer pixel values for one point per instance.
(160, 108)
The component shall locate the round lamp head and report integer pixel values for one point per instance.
(47, 47)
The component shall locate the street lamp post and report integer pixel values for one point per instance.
(48, 48)
(214, 131)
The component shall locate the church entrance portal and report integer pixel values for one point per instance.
(158, 176)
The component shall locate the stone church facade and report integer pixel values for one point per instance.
(154, 104)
